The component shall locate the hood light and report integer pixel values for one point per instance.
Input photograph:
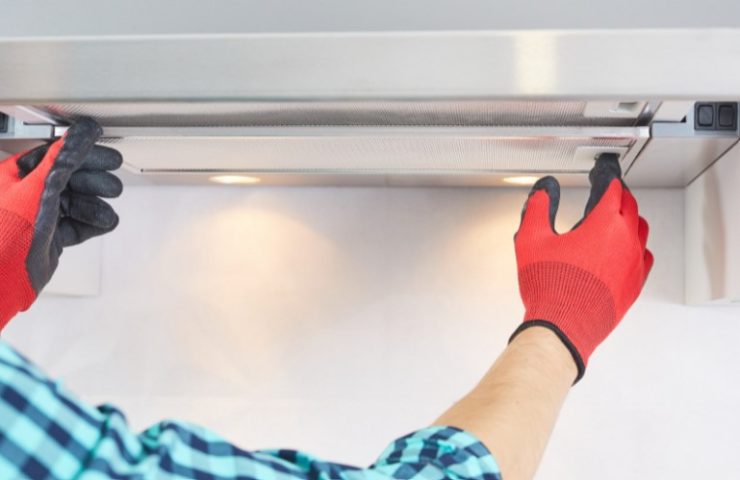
(521, 180)
(234, 179)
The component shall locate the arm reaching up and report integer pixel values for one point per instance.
(576, 287)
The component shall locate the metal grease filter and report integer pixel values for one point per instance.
(336, 113)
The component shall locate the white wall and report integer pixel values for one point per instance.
(335, 319)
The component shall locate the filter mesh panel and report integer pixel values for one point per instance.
(337, 113)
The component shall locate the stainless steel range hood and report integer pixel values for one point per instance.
(421, 108)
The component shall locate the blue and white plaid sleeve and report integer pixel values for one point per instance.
(47, 433)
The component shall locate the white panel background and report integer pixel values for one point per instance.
(333, 320)
(711, 231)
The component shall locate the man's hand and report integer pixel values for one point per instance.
(49, 199)
(580, 284)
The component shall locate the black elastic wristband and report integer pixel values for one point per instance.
(566, 341)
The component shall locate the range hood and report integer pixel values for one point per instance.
(392, 108)
(392, 142)
(396, 93)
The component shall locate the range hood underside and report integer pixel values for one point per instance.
(401, 142)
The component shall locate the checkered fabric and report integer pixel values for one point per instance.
(47, 433)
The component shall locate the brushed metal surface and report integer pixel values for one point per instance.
(34, 18)
(552, 64)
(676, 161)
(677, 153)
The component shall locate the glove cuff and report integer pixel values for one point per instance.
(580, 364)
(8, 310)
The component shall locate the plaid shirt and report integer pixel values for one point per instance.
(45, 432)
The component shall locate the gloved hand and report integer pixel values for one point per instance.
(48, 201)
(580, 284)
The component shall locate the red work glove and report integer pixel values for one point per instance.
(48, 201)
(580, 284)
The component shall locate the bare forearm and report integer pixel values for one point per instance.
(514, 407)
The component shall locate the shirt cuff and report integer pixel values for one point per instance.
(436, 453)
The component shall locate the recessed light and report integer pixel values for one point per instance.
(234, 179)
(521, 180)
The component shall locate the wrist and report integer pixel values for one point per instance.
(559, 357)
